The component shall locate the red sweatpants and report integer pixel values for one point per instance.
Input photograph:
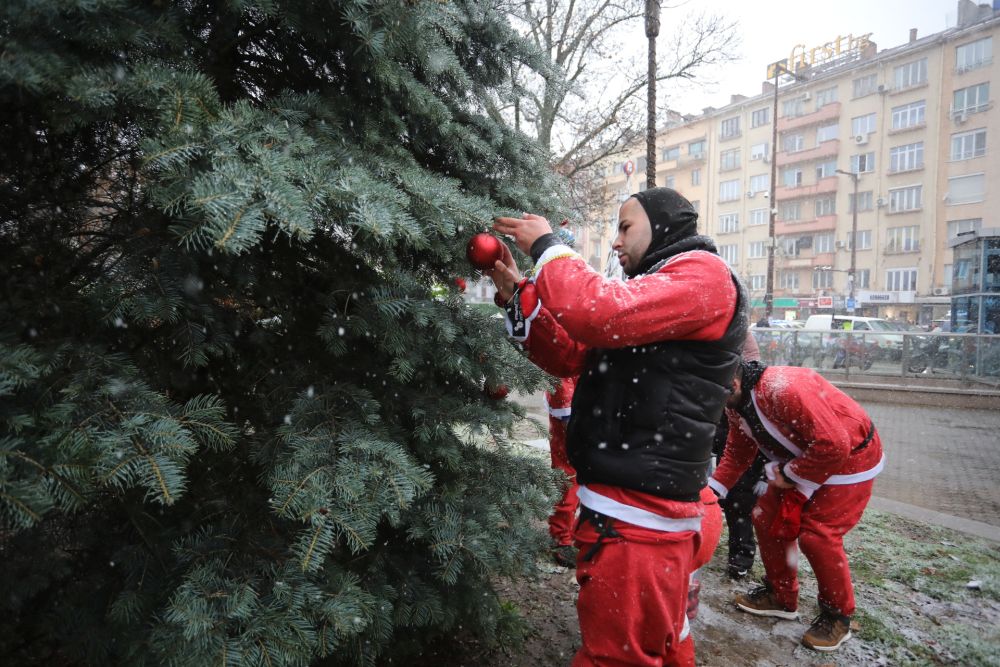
(828, 516)
(633, 599)
(564, 511)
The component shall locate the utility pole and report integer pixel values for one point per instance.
(854, 238)
(652, 31)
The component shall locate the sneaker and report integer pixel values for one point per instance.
(828, 631)
(736, 573)
(564, 555)
(761, 602)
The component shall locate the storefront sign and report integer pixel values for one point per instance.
(886, 297)
(824, 302)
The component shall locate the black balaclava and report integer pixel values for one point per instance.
(674, 223)
(750, 374)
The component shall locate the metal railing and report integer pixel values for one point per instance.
(971, 360)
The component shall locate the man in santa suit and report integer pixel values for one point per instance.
(655, 356)
(824, 454)
(558, 402)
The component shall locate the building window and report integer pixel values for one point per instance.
(757, 249)
(973, 55)
(759, 216)
(901, 280)
(789, 280)
(946, 275)
(907, 157)
(760, 117)
(863, 278)
(967, 145)
(791, 245)
(966, 189)
(759, 151)
(791, 143)
(826, 133)
(971, 99)
(865, 85)
(640, 164)
(909, 115)
(956, 227)
(865, 201)
(826, 169)
(791, 211)
(730, 160)
(862, 125)
(825, 96)
(696, 205)
(822, 279)
(905, 199)
(671, 153)
(730, 128)
(729, 223)
(903, 239)
(696, 148)
(760, 183)
(791, 177)
(758, 281)
(864, 240)
(825, 206)
(823, 243)
(729, 190)
(696, 177)
(793, 108)
(671, 182)
(863, 163)
(910, 74)
(730, 253)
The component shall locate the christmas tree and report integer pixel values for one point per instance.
(241, 421)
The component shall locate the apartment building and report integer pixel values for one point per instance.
(910, 124)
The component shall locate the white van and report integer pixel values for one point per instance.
(851, 323)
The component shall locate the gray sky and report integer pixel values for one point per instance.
(771, 28)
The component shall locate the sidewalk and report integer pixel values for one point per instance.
(942, 464)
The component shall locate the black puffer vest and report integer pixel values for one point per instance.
(644, 417)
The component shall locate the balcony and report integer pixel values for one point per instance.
(822, 259)
(829, 112)
(689, 159)
(823, 223)
(826, 149)
(821, 187)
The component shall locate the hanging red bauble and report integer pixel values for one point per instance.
(460, 284)
(484, 250)
(497, 393)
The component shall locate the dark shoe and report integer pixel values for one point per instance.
(564, 555)
(737, 573)
(828, 631)
(761, 602)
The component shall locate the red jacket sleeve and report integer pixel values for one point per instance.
(692, 297)
(551, 349)
(740, 452)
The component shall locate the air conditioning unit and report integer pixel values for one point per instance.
(940, 291)
(880, 202)
(766, 158)
(960, 118)
(806, 96)
(861, 139)
(881, 88)
(841, 245)
(750, 194)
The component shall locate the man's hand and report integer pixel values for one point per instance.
(780, 480)
(505, 275)
(525, 230)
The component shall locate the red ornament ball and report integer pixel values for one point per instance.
(484, 250)
(497, 393)
(460, 284)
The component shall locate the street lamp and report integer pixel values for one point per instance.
(778, 69)
(854, 239)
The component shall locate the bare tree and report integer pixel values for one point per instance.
(589, 106)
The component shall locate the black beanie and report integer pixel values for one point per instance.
(672, 219)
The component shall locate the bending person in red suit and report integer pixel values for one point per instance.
(558, 403)
(824, 454)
